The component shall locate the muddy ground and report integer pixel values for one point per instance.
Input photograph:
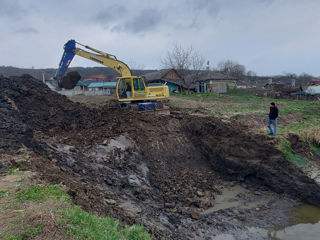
(162, 171)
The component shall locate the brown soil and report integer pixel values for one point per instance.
(160, 171)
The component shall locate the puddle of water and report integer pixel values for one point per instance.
(305, 214)
(229, 198)
(308, 227)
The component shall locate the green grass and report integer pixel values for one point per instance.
(41, 193)
(21, 179)
(82, 225)
(299, 127)
(28, 232)
(3, 193)
(316, 148)
(72, 219)
(242, 103)
(296, 159)
(11, 171)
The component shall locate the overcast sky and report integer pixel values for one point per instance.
(267, 36)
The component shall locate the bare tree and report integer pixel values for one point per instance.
(305, 75)
(186, 61)
(232, 68)
(251, 73)
(134, 65)
(291, 75)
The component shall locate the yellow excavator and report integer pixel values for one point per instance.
(130, 89)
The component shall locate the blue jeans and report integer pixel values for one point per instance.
(274, 123)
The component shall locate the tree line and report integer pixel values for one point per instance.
(190, 64)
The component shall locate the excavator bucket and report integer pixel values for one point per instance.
(70, 80)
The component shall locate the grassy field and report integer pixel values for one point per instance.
(298, 116)
(33, 211)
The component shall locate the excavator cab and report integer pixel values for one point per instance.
(131, 89)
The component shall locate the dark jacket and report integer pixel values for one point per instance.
(273, 114)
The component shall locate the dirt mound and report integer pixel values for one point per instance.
(160, 171)
(14, 131)
(38, 107)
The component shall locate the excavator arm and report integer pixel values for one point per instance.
(104, 59)
(70, 50)
(129, 88)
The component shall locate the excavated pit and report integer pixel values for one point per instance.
(161, 171)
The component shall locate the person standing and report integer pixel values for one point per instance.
(273, 115)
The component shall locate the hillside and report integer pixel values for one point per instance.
(50, 72)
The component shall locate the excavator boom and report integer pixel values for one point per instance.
(70, 50)
(106, 60)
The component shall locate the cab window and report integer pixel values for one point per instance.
(123, 85)
(138, 84)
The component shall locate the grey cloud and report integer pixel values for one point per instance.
(12, 9)
(27, 30)
(146, 20)
(267, 1)
(118, 18)
(197, 12)
(252, 32)
(110, 14)
(211, 7)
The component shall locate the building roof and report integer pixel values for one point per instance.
(203, 76)
(242, 83)
(214, 75)
(95, 77)
(163, 74)
(82, 83)
(156, 75)
(102, 84)
(160, 75)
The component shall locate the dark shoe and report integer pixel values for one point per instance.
(270, 133)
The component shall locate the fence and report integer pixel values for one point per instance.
(86, 93)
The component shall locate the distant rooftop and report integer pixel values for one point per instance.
(103, 85)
